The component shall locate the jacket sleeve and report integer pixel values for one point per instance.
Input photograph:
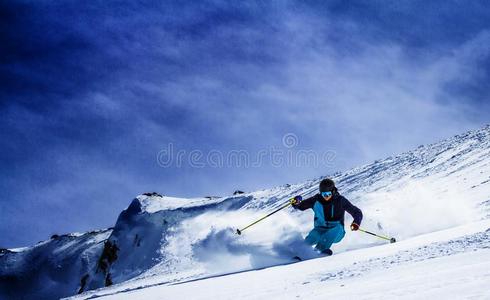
(307, 203)
(354, 211)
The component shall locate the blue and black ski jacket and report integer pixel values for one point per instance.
(330, 211)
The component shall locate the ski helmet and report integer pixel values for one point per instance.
(327, 185)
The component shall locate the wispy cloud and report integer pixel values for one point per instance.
(91, 92)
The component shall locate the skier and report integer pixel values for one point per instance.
(329, 208)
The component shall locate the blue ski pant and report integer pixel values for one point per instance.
(324, 237)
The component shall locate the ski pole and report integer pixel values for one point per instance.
(239, 231)
(392, 240)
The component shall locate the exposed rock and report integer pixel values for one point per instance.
(153, 194)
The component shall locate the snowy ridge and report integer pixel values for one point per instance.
(152, 204)
(432, 190)
(56, 263)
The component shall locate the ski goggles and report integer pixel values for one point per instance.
(326, 194)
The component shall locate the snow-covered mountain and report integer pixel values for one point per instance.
(435, 200)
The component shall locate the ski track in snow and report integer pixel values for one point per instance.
(464, 244)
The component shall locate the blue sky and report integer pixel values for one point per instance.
(92, 91)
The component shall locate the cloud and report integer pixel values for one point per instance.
(93, 91)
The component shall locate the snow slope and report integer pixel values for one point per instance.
(454, 264)
(435, 200)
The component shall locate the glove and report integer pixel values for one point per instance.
(296, 201)
(354, 226)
